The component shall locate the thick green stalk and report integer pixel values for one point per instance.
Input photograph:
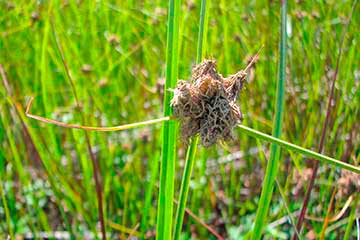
(191, 152)
(273, 164)
(167, 172)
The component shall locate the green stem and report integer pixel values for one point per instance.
(298, 149)
(248, 131)
(351, 217)
(202, 32)
(191, 151)
(168, 151)
(273, 164)
(7, 212)
(184, 189)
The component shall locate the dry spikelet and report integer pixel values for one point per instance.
(207, 105)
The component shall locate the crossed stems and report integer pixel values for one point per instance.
(249, 131)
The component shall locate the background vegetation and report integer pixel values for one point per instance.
(115, 53)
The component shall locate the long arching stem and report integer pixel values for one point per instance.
(246, 130)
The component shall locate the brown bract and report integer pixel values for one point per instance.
(207, 104)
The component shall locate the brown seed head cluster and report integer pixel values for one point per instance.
(207, 105)
(348, 183)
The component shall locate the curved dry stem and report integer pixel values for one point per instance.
(335, 217)
(244, 129)
(202, 223)
(91, 128)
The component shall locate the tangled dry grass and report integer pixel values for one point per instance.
(207, 105)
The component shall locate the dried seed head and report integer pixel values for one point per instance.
(349, 182)
(207, 105)
(207, 67)
(234, 83)
(86, 68)
(35, 16)
(113, 39)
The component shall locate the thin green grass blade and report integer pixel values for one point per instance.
(6, 210)
(191, 152)
(55, 180)
(330, 108)
(225, 32)
(96, 167)
(286, 205)
(201, 47)
(298, 149)
(166, 190)
(45, 84)
(184, 188)
(149, 192)
(350, 224)
(273, 164)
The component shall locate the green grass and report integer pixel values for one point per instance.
(168, 152)
(351, 218)
(272, 166)
(298, 149)
(7, 213)
(191, 151)
(46, 171)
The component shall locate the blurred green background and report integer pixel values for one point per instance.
(115, 52)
